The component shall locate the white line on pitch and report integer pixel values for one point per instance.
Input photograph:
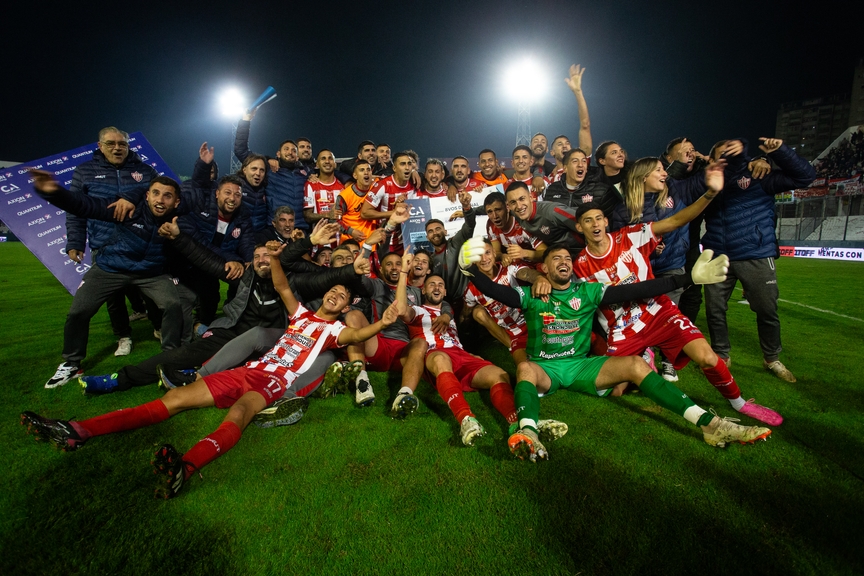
(817, 309)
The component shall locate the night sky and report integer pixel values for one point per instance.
(427, 76)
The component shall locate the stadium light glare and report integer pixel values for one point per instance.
(526, 80)
(232, 103)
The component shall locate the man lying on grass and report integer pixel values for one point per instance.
(245, 390)
(559, 336)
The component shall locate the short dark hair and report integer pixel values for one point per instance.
(672, 143)
(398, 155)
(487, 151)
(538, 134)
(303, 139)
(360, 162)
(287, 142)
(424, 252)
(350, 242)
(558, 138)
(433, 221)
(516, 185)
(389, 254)
(554, 248)
(600, 154)
(586, 207)
(521, 147)
(382, 144)
(570, 152)
(166, 181)
(363, 144)
(323, 150)
(460, 158)
(493, 197)
(230, 179)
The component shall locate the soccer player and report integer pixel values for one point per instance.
(387, 193)
(575, 189)
(350, 203)
(509, 241)
(507, 325)
(521, 161)
(245, 391)
(321, 194)
(433, 181)
(559, 339)
(623, 258)
(456, 371)
(445, 258)
(420, 268)
(548, 222)
(490, 172)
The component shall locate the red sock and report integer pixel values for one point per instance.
(450, 390)
(126, 419)
(211, 447)
(501, 395)
(722, 380)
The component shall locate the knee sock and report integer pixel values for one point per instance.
(450, 390)
(125, 419)
(670, 397)
(722, 380)
(528, 404)
(211, 447)
(502, 399)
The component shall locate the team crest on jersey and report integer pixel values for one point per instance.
(544, 230)
(236, 233)
(744, 182)
(412, 298)
(627, 257)
(669, 202)
(587, 198)
(575, 303)
(137, 176)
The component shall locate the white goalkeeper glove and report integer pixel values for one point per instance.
(470, 253)
(708, 271)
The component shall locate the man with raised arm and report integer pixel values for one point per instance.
(245, 391)
(559, 335)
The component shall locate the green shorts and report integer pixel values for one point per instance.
(576, 374)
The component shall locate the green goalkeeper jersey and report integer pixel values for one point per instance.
(561, 328)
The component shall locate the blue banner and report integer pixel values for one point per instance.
(41, 226)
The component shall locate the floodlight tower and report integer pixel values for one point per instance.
(232, 104)
(530, 84)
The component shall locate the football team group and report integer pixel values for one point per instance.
(589, 272)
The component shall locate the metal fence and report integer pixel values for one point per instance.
(826, 218)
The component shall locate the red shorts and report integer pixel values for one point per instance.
(520, 341)
(669, 331)
(386, 358)
(465, 366)
(227, 387)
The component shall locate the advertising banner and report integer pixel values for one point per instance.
(425, 209)
(41, 226)
(825, 253)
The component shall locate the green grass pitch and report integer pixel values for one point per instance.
(630, 490)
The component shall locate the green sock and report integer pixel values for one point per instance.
(665, 394)
(527, 404)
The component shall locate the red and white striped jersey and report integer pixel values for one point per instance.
(513, 235)
(510, 319)
(320, 196)
(421, 327)
(472, 185)
(556, 175)
(441, 192)
(383, 194)
(306, 337)
(626, 262)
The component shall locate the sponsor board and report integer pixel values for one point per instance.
(824, 253)
(41, 227)
(425, 209)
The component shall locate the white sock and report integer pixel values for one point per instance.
(527, 422)
(737, 403)
(405, 390)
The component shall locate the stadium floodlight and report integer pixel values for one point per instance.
(232, 103)
(525, 81)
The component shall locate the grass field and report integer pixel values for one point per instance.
(631, 489)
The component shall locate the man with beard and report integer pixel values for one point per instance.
(366, 152)
(133, 257)
(559, 341)
(387, 193)
(575, 189)
(281, 229)
(460, 179)
(521, 161)
(322, 193)
(433, 181)
(510, 243)
(304, 153)
(256, 305)
(285, 183)
(446, 255)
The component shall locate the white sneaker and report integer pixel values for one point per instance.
(124, 347)
(470, 430)
(551, 429)
(779, 370)
(726, 430)
(65, 372)
(363, 394)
